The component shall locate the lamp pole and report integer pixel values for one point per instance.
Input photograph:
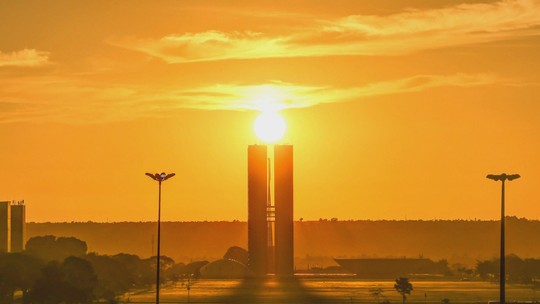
(502, 276)
(159, 177)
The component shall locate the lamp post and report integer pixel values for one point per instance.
(502, 276)
(159, 177)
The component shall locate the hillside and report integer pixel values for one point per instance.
(315, 241)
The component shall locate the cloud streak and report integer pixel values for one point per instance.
(403, 33)
(24, 58)
(78, 102)
(279, 95)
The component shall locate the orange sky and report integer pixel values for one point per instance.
(396, 109)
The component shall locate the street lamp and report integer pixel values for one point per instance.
(159, 177)
(502, 277)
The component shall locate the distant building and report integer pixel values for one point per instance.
(12, 226)
(18, 226)
(257, 206)
(391, 268)
(5, 233)
(283, 188)
(270, 226)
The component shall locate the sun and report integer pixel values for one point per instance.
(269, 126)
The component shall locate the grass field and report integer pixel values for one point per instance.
(329, 290)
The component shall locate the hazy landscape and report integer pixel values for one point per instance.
(341, 290)
(316, 242)
(285, 152)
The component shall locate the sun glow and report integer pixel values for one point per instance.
(269, 126)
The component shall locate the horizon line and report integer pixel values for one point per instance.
(296, 221)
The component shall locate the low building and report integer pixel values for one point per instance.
(391, 268)
(12, 226)
(18, 226)
(225, 269)
(5, 227)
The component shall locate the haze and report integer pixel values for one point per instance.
(396, 109)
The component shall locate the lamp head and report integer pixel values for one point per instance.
(152, 176)
(512, 177)
(160, 176)
(503, 177)
(494, 177)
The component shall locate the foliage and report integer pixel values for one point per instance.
(50, 248)
(72, 282)
(17, 272)
(58, 270)
(404, 287)
(522, 271)
(141, 271)
(113, 276)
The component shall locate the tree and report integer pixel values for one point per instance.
(81, 280)
(72, 282)
(49, 287)
(488, 269)
(50, 248)
(113, 276)
(141, 271)
(71, 246)
(42, 247)
(404, 287)
(17, 272)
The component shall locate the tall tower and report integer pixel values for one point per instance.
(284, 202)
(18, 226)
(270, 226)
(5, 227)
(257, 209)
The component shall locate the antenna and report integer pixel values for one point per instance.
(152, 252)
(269, 201)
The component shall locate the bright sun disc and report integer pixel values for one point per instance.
(269, 126)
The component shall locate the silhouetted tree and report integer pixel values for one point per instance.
(72, 282)
(166, 263)
(49, 287)
(50, 248)
(404, 287)
(81, 279)
(487, 269)
(113, 276)
(140, 270)
(42, 247)
(175, 272)
(71, 246)
(518, 270)
(17, 272)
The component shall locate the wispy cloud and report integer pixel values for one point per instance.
(279, 95)
(72, 101)
(24, 58)
(403, 33)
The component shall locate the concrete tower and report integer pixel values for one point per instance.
(284, 202)
(5, 227)
(18, 223)
(257, 201)
(270, 226)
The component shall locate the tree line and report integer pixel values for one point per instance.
(518, 270)
(60, 270)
